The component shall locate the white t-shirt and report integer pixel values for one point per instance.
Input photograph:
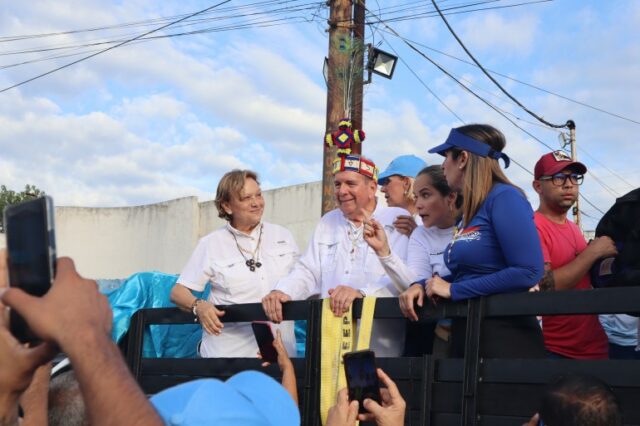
(218, 261)
(424, 257)
(338, 255)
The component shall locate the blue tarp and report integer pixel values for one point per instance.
(151, 290)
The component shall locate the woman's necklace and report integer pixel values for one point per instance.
(253, 262)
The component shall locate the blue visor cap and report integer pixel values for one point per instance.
(459, 140)
(405, 165)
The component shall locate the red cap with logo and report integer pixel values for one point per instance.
(554, 162)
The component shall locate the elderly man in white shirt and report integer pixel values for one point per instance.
(338, 262)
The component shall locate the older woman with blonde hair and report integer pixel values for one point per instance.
(242, 261)
(496, 248)
(396, 183)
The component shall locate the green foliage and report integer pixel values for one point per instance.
(8, 197)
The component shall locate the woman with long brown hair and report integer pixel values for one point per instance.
(496, 248)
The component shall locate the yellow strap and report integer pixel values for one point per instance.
(337, 338)
(366, 321)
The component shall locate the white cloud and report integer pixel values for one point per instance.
(492, 32)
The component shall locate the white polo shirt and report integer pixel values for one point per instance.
(218, 261)
(338, 255)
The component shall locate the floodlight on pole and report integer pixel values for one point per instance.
(381, 62)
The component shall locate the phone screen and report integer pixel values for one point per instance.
(30, 253)
(264, 338)
(362, 377)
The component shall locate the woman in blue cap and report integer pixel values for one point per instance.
(396, 183)
(496, 248)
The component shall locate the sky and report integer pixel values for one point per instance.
(165, 118)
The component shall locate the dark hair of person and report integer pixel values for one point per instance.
(582, 400)
(439, 182)
(481, 172)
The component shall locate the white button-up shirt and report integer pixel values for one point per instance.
(218, 260)
(338, 255)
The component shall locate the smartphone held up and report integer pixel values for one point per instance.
(31, 254)
(264, 337)
(362, 377)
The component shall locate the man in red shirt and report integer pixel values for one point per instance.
(567, 257)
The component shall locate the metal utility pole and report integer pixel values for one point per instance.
(344, 81)
(574, 157)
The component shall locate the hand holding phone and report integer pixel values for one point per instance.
(31, 254)
(362, 377)
(264, 337)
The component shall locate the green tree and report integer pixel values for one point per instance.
(8, 197)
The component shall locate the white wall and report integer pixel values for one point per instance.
(116, 242)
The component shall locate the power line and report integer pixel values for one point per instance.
(541, 89)
(144, 23)
(604, 166)
(110, 48)
(533, 114)
(489, 104)
(423, 83)
(254, 16)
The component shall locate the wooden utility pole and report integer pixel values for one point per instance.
(357, 68)
(574, 157)
(344, 84)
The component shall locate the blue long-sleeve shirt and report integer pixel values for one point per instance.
(499, 251)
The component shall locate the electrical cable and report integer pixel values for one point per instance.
(526, 84)
(110, 48)
(481, 99)
(605, 167)
(533, 114)
(423, 83)
(144, 23)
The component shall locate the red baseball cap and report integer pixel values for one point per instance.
(554, 162)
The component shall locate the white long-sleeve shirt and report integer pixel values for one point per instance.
(338, 255)
(218, 260)
(424, 257)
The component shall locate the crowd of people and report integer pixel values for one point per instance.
(454, 231)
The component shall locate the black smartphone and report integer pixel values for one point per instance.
(362, 377)
(31, 254)
(264, 337)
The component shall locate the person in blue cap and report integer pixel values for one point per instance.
(396, 183)
(248, 398)
(496, 248)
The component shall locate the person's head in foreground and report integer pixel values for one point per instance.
(239, 199)
(557, 179)
(247, 398)
(396, 181)
(354, 180)
(578, 400)
(471, 163)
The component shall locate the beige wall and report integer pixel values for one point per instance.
(116, 242)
